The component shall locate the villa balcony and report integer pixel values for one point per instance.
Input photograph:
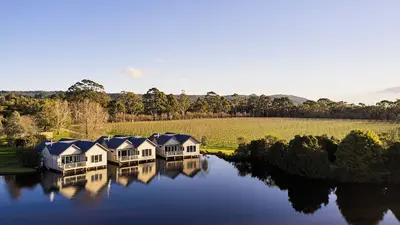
(128, 158)
(173, 153)
(73, 165)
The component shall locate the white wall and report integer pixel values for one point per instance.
(147, 145)
(50, 161)
(191, 142)
(96, 150)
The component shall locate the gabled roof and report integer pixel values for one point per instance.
(115, 142)
(164, 138)
(136, 142)
(182, 138)
(41, 145)
(86, 145)
(59, 147)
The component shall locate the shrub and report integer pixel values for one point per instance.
(203, 140)
(330, 145)
(359, 157)
(277, 154)
(392, 160)
(305, 158)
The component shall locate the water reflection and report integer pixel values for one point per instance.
(356, 204)
(95, 184)
(361, 204)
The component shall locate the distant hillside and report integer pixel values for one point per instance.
(295, 99)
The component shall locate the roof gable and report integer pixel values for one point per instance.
(59, 147)
(114, 143)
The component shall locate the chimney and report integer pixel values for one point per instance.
(158, 135)
(51, 143)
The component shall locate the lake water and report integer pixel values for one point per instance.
(195, 191)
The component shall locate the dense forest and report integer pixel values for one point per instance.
(360, 157)
(157, 105)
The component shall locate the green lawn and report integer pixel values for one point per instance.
(8, 157)
(222, 134)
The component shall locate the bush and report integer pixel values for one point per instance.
(360, 157)
(277, 154)
(392, 160)
(305, 158)
(330, 145)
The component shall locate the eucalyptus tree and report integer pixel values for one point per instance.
(87, 89)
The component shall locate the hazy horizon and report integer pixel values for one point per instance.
(342, 50)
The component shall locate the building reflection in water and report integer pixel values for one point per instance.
(124, 176)
(83, 186)
(94, 186)
(172, 169)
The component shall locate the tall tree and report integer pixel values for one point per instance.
(213, 101)
(92, 118)
(13, 127)
(114, 109)
(200, 106)
(88, 89)
(264, 105)
(133, 103)
(154, 102)
(184, 104)
(172, 105)
(55, 115)
(252, 104)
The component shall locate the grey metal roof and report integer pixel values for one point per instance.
(136, 142)
(57, 148)
(164, 138)
(115, 142)
(41, 145)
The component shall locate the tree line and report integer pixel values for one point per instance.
(360, 157)
(87, 105)
(157, 105)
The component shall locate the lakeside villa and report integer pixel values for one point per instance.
(72, 156)
(124, 150)
(69, 155)
(172, 145)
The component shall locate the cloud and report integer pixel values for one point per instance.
(158, 60)
(134, 72)
(395, 90)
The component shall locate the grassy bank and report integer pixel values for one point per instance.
(9, 163)
(222, 134)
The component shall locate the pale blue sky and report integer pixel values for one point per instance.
(341, 49)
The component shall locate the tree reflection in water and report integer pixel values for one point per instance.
(362, 204)
(359, 204)
(306, 196)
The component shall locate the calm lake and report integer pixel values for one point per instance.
(194, 191)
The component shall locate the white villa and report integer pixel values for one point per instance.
(172, 145)
(72, 155)
(127, 150)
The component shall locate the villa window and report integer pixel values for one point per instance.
(146, 152)
(191, 148)
(70, 159)
(97, 158)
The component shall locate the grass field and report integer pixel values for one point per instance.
(8, 157)
(222, 134)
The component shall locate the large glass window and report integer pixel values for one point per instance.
(146, 152)
(97, 158)
(191, 148)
